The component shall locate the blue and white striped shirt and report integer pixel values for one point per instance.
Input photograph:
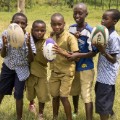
(107, 71)
(16, 59)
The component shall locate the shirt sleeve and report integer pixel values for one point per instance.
(73, 43)
(32, 44)
(1, 41)
(114, 45)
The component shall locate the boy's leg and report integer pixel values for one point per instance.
(89, 110)
(19, 108)
(104, 117)
(31, 93)
(56, 104)
(67, 107)
(41, 107)
(18, 94)
(41, 110)
(86, 82)
(75, 103)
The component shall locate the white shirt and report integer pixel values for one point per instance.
(107, 71)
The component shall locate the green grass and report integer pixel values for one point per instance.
(7, 108)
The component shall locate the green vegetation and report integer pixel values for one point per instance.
(7, 108)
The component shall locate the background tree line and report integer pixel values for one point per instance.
(8, 5)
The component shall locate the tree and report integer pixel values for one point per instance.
(21, 6)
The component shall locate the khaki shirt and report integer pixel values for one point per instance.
(39, 65)
(61, 65)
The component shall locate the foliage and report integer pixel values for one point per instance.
(9, 5)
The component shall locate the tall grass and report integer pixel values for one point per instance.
(7, 108)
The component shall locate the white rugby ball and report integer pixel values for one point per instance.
(99, 35)
(48, 52)
(15, 35)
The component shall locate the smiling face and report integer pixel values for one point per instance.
(79, 13)
(57, 24)
(38, 31)
(107, 19)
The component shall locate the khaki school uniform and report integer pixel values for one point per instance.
(62, 70)
(37, 84)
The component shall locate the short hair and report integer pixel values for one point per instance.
(81, 4)
(57, 15)
(116, 14)
(38, 21)
(19, 14)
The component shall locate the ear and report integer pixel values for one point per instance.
(86, 13)
(64, 23)
(115, 21)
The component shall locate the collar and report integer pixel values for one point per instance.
(111, 30)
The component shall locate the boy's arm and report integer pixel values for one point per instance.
(110, 57)
(30, 55)
(78, 55)
(4, 47)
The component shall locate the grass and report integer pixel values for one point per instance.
(7, 108)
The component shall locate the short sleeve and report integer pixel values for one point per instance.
(31, 42)
(73, 43)
(1, 41)
(114, 45)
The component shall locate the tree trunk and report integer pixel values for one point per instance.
(21, 6)
(109, 4)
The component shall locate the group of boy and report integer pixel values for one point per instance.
(72, 72)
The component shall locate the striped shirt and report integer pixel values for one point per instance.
(107, 71)
(16, 59)
(84, 44)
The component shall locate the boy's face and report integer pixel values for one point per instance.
(79, 14)
(38, 31)
(57, 24)
(21, 21)
(107, 19)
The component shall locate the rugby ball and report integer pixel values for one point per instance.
(48, 52)
(99, 35)
(15, 35)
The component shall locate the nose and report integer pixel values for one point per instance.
(102, 21)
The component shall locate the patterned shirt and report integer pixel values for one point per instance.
(16, 59)
(107, 71)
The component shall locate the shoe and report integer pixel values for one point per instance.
(40, 117)
(32, 108)
(74, 115)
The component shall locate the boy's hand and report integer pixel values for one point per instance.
(100, 47)
(57, 49)
(28, 39)
(77, 34)
(4, 41)
(61, 51)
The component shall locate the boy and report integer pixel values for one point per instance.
(15, 68)
(84, 76)
(108, 66)
(36, 85)
(62, 70)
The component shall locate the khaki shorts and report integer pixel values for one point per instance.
(82, 84)
(60, 84)
(36, 86)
